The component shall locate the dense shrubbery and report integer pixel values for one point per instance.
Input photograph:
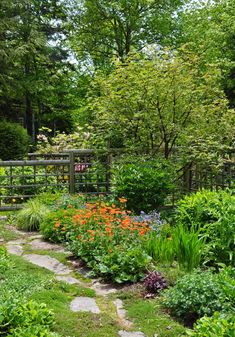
(145, 183)
(204, 207)
(199, 294)
(14, 141)
(213, 213)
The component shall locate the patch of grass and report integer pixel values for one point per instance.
(39, 284)
(68, 323)
(86, 325)
(31, 215)
(73, 290)
(148, 317)
(6, 233)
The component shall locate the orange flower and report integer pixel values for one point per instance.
(57, 224)
(76, 217)
(91, 232)
(142, 232)
(122, 200)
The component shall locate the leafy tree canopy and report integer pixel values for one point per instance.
(106, 29)
(156, 103)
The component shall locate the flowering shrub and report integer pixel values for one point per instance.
(80, 139)
(105, 236)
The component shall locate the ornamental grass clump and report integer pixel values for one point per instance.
(105, 236)
(31, 215)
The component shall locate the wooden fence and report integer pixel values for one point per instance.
(75, 171)
(85, 171)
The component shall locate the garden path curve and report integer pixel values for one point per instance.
(64, 273)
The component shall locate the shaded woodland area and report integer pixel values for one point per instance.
(150, 75)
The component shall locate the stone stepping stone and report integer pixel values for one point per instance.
(86, 304)
(14, 249)
(68, 279)
(17, 242)
(36, 236)
(103, 289)
(121, 312)
(123, 333)
(39, 244)
(49, 263)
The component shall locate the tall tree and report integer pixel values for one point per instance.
(155, 104)
(107, 29)
(209, 31)
(35, 61)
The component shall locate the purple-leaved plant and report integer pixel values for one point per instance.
(154, 282)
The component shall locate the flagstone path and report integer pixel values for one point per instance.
(64, 273)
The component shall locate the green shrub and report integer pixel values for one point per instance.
(15, 313)
(214, 214)
(72, 201)
(196, 295)
(31, 215)
(215, 326)
(204, 207)
(14, 141)
(61, 218)
(145, 183)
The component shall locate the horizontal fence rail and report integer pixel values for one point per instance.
(77, 171)
(87, 171)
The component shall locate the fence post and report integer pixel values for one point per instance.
(108, 172)
(71, 173)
